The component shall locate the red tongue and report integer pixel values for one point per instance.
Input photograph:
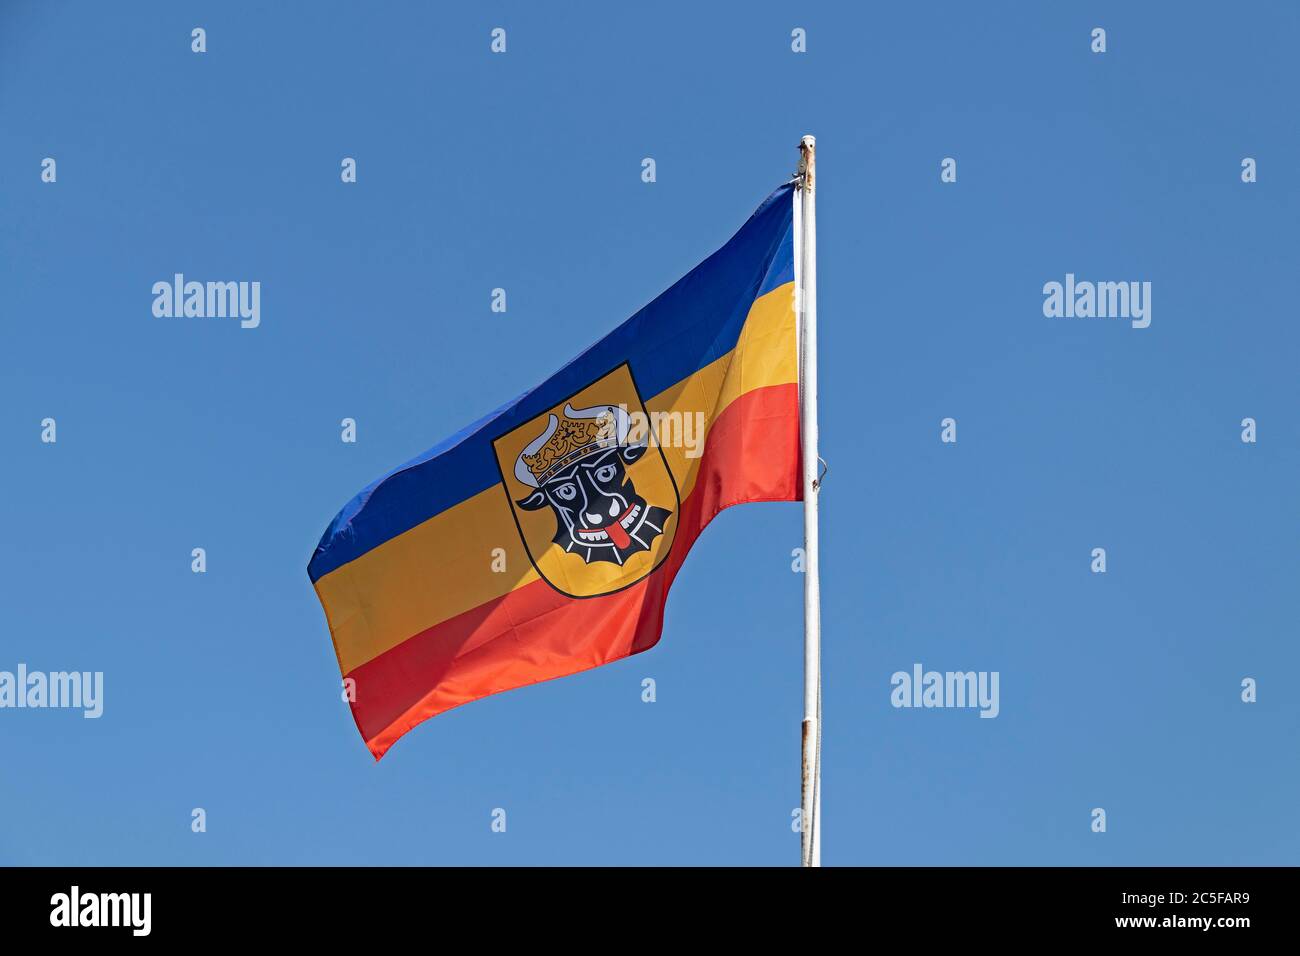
(618, 535)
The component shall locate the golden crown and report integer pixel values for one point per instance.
(573, 438)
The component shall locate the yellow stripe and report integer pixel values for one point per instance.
(443, 566)
(765, 354)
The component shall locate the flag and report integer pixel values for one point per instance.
(542, 540)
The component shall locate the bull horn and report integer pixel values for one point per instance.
(622, 421)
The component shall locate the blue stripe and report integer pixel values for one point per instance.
(695, 322)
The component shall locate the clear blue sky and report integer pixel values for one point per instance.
(523, 171)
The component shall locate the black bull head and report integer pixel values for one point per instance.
(598, 513)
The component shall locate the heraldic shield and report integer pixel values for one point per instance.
(592, 494)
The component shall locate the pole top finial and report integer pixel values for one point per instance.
(807, 163)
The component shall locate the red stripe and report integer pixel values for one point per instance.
(534, 633)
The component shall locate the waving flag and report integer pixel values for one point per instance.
(594, 486)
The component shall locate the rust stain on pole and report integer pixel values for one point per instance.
(806, 809)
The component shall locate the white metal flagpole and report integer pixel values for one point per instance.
(806, 305)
